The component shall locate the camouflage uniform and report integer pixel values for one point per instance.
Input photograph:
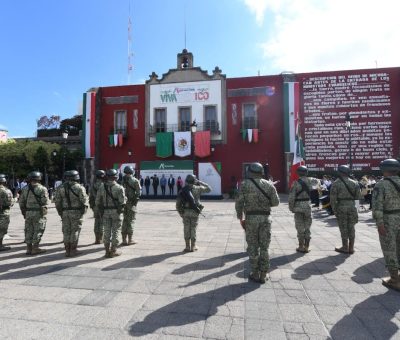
(256, 207)
(189, 215)
(33, 203)
(110, 200)
(71, 203)
(98, 224)
(6, 202)
(342, 203)
(132, 191)
(386, 212)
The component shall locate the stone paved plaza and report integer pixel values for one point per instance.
(154, 291)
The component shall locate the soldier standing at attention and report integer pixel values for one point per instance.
(344, 192)
(98, 224)
(33, 203)
(6, 202)
(132, 192)
(71, 204)
(110, 200)
(253, 208)
(386, 212)
(189, 208)
(299, 204)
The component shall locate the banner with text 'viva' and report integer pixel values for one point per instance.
(163, 144)
(202, 144)
(182, 143)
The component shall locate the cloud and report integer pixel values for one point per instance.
(3, 127)
(318, 35)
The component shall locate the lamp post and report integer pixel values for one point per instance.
(193, 129)
(348, 127)
(65, 137)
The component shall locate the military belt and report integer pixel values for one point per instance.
(345, 199)
(302, 199)
(257, 212)
(73, 208)
(110, 208)
(33, 209)
(388, 212)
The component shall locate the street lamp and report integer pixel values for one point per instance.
(348, 127)
(193, 129)
(65, 137)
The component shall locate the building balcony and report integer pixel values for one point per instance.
(211, 125)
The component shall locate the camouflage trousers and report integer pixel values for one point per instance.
(128, 223)
(4, 222)
(190, 222)
(258, 238)
(347, 219)
(302, 222)
(71, 225)
(35, 226)
(98, 223)
(390, 243)
(112, 222)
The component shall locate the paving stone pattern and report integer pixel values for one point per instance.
(154, 291)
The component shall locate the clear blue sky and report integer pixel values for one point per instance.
(54, 50)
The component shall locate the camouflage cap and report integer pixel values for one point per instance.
(72, 175)
(344, 169)
(100, 173)
(390, 165)
(302, 170)
(3, 178)
(128, 170)
(35, 175)
(190, 179)
(112, 173)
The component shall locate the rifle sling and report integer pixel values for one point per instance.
(353, 195)
(261, 190)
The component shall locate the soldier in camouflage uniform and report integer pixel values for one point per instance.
(344, 192)
(386, 212)
(98, 224)
(132, 191)
(253, 208)
(111, 200)
(191, 209)
(299, 204)
(71, 204)
(33, 203)
(6, 202)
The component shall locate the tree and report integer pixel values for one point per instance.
(45, 122)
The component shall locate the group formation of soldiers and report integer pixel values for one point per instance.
(257, 196)
(114, 208)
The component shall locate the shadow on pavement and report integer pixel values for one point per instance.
(142, 261)
(325, 265)
(283, 260)
(210, 263)
(370, 318)
(190, 309)
(369, 271)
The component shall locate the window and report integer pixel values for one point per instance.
(185, 118)
(120, 122)
(160, 120)
(210, 118)
(249, 116)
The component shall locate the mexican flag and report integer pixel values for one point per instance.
(299, 154)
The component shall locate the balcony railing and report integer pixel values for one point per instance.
(210, 125)
(250, 123)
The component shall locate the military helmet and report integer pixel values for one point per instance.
(35, 175)
(100, 173)
(72, 175)
(302, 170)
(3, 178)
(256, 168)
(390, 165)
(128, 170)
(344, 169)
(112, 173)
(190, 179)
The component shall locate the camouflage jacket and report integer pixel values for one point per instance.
(197, 189)
(111, 197)
(34, 198)
(6, 200)
(250, 198)
(341, 197)
(132, 189)
(385, 199)
(299, 199)
(93, 192)
(71, 196)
